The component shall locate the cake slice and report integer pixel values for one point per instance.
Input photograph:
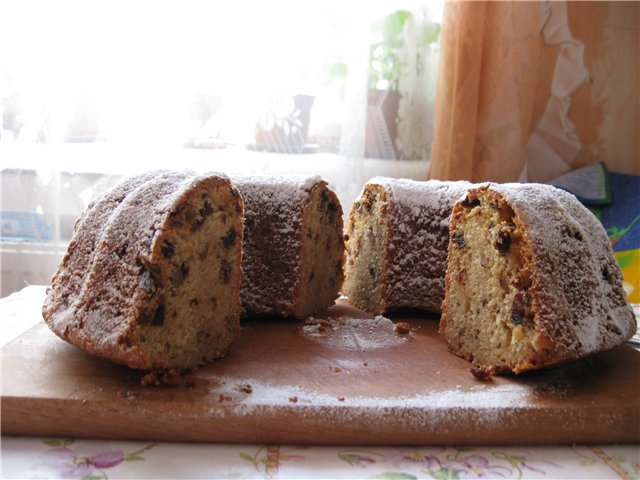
(151, 277)
(398, 231)
(531, 280)
(293, 245)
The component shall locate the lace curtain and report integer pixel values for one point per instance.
(413, 52)
(530, 90)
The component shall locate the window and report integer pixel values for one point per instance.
(93, 91)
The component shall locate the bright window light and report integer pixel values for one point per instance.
(139, 72)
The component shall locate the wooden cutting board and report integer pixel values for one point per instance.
(337, 379)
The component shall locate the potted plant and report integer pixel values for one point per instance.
(396, 53)
(382, 96)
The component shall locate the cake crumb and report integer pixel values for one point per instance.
(402, 328)
(336, 369)
(150, 378)
(167, 377)
(128, 395)
(341, 398)
(244, 387)
(482, 374)
(293, 399)
(366, 364)
(224, 398)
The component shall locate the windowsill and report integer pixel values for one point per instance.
(345, 175)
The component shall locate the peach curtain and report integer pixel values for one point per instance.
(524, 89)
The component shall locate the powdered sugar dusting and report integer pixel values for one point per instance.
(117, 217)
(276, 190)
(418, 196)
(483, 404)
(509, 395)
(76, 264)
(350, 333)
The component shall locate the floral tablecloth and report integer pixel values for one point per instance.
(24, 457)
(69, 458)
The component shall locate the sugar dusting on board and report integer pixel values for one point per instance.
(349, 333)
(481, 404)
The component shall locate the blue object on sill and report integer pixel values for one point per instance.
(621, 219)
(614, 198)
(591, 184)
(23, 227)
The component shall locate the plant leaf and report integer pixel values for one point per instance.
(148, 447)
(444, 474)
(133, 458)
(350, 458)
(339, 70)
(52, 443)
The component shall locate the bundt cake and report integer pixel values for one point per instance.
(397, 237)
(531, 280)
(151, 277)
(293, 245)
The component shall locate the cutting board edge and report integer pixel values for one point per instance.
(23, 416)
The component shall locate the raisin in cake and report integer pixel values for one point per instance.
(531, 280)
(398, 231)
(293, 245)
(151, 278)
